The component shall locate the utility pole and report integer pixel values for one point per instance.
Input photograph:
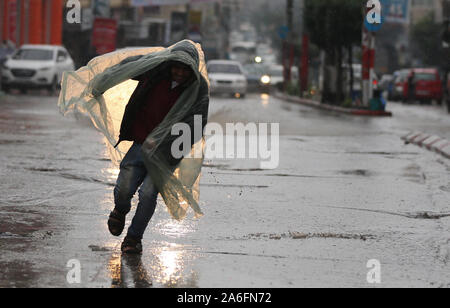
(2, 16)
(288, 48)
(304, 63)
(187, 22)
(19, 23)
(446, 50)
(368, 62)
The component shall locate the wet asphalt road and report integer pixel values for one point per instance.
(347, 190)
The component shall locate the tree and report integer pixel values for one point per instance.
(427, 42)
(335, 27)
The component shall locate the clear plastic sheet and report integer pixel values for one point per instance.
(102, 90)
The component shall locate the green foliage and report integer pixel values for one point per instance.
(334, 23)
(293, 88)
(334, 26)
(426, 41)
(347, 103)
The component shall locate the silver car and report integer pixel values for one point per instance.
(227, 77)
(36, 66)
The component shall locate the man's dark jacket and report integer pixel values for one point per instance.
(140, 96)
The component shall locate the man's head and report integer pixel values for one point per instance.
(180, 72)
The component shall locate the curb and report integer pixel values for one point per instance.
(315, 104)
(430, 142)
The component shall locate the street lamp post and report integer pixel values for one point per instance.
(2, 13)
(446, 51)
(287, 50)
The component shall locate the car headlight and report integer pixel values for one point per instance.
(265, 79)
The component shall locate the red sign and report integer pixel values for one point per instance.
(305, 64)
(12, 20)
(104, 35)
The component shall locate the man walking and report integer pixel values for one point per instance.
(173, 89)
(157, 92)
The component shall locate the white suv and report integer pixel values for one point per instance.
(36, 66)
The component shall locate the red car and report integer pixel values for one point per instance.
(427, 85)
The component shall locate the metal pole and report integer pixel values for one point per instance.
(18, 23)
(288, 44)
(26, 22)
(2, 16)
(48, 9)
(368, 61)
(187, 22)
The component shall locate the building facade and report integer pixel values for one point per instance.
(31, 21)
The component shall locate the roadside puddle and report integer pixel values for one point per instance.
(304, 236)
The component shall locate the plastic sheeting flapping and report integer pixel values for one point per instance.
(102, 90)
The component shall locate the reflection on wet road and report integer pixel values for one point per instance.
(347, 190)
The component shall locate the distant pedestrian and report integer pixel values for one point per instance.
(412, 87)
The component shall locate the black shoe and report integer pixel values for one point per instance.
(131, 245)
(116, 222)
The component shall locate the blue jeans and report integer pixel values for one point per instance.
(132, 175)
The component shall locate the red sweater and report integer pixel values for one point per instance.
(158, 104)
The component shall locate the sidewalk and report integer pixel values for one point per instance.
(315, 104)
(430, 142)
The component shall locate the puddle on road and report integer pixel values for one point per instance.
(426, 215)
(357, 172)
(17, 274)
(228, 168)
(304, 236)
(384, 153)
(298, 139)
(96, 248)
(234, 186)
(412, 215)
(243, 254)
(413, 173)
(46, 169)
(13, 142)
(62, 173)
(445, 188)
(128, 271)
(20, 222)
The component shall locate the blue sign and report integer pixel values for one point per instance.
(374, 15)
(283, 32)
(390, 11)
(396, 11)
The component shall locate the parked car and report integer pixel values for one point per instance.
(400, 82)
(357, 80)
(448, 92)
(227, 77)
(36, 66)
(427, 85)
(276, 74)
(385, 82)
(257, 77)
